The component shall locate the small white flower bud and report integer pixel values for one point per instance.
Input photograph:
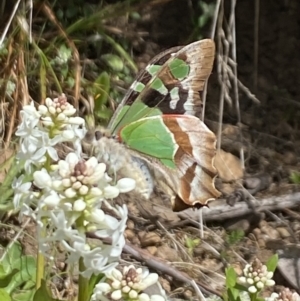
(52, 201)
(69, 111)
(110, 192)
(57, 185)
(95, 191)
(43, 110)
(126, 184)
(116, 295)
(157, 298)
(269, 275)
(126, 289)
(47, 121)
(61, 117)
(52, 110)
(259, 285)
(133, 294)
(252, 289)
(117, 274)
(70, 193)
(42, 179)
(68, 134)
(270, 282)
(66, 182)
(116, 284)
(250, 281)
(76, 185)
(48, 102)
(79, 205)
(97, 216)
(144, 297)
(76, 120)
(83, 190)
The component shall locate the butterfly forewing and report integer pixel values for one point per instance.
(142, 80)
(173, 87)
(176, 86)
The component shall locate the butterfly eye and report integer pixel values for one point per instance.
(98, 135)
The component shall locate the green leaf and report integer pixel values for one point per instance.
(102, 87)
(11, 259)
(5, 189)
(93, 281)
(230, 277)
(4, 296)
(272, 263)
(101, 92)
(150, 136)
(113, 61)
(233, 294)
(27, 272)
(24, 295)
(42, 293)
(129, 114)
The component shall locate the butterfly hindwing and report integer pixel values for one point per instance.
(182, 147)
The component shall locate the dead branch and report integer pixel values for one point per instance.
(219, 210)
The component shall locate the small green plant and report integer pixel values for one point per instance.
(249, 286)
(191, 243)
(235, 236)
(17, 274)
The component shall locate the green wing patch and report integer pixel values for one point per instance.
(129, 114)
(151, 137)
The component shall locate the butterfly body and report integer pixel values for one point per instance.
(160, 143)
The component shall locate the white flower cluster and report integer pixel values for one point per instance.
(43, 129)
(126, 285)
(285, 295)
(256, 276)
(68, 192)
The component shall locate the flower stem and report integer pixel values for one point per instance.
(40, 269)
(83, 283)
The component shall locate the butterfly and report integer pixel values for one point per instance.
(155, 135)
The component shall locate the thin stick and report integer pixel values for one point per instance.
(212, 35)
(255, 54)
(9, 22)
(235, 80)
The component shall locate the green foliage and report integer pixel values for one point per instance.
(101, 90)
(17, 274)
(71, 45)
(207, 11)
(235, 236)
(238, 292)
(272, 263)
(295, 177)
(6, 190)
(43, 294)
(191, 244)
